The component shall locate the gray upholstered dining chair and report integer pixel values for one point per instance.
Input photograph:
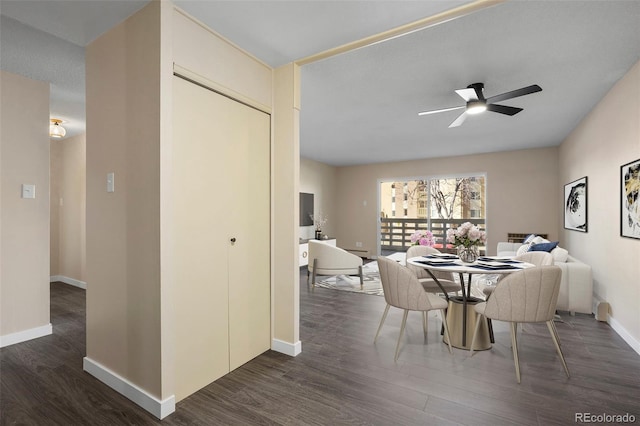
(403, 290)
(446, 279)
(529, 296)
(538, 258)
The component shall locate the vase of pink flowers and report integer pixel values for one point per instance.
(466, 237)
(423, 238)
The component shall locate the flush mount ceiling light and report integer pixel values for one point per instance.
(476, 107)
(55, 129)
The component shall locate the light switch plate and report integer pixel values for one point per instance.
(28, 190)
(111, 182)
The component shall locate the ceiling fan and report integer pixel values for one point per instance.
(477, 103)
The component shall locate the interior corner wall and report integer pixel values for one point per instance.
(68, 203)
(285, 202)
(319, 179)
(24, 222)
(606, 139)
(123, 227)
(522, 188)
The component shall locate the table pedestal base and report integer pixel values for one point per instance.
(455, 323)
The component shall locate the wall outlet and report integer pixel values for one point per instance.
(358, 244)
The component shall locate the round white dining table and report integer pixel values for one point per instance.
(484, 265)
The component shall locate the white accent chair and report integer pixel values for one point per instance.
(530, 295)
(325, 259)
(403, 290)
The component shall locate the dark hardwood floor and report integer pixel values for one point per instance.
(341, 377)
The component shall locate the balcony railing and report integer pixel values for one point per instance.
(395, 233)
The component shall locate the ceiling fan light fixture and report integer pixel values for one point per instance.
(56, 130)
(476, 107)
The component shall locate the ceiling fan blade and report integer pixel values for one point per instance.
(468, 94)
(439, 110)
(458, 121)
(503, 109)
(515, 93)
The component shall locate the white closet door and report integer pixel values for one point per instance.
(200, 163)
(249, 257)
(221, 190)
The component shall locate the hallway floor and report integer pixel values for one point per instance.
(341, 377)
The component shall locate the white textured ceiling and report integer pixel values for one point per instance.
(76, 21)
(361, 107)
(279, 32)
(45, 39)
(41, 56)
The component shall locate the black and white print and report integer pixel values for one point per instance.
(630, 200)
(575, 205)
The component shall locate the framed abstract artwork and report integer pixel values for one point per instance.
(630, 200)
(575, 205)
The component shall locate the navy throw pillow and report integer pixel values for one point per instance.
(543, 246)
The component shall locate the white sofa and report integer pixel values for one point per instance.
(576, 287)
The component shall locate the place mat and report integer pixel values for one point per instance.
(499, 259)
(437, 263)
(442, 256)
(494, 267)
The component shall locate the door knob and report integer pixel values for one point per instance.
(233, 240)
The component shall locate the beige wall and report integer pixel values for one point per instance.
(68, 202)
(285, 186)
(123, 227)
(522, 193)
(224, 67)
(55, 177)
(605, 140)
(130, 272)
(24, 223)
(320, 179)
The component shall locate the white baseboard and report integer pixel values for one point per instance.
(622, 332)
(291, 349)
(23, 336)
(67, 280)
(158, 408)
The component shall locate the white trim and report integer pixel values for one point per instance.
(227, 92)
(291, 349)
(23, 336)
(158, 408)
(622, 332)
(67, 280)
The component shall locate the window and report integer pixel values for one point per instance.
(435, 204)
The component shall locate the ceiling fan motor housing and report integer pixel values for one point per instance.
(478, 87)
